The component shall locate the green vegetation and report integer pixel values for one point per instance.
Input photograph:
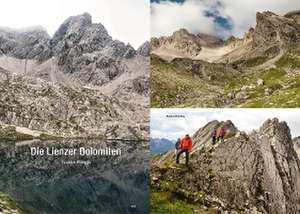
(45, 137)
(171, 198)
(270, 77)
(281, 84)
(255, 61)
(166, 203)
(186, 83)
(9, 133)
(9, 203)
(169, 86)
(290, 59)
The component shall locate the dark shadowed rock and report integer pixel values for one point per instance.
(144, 49)
(273, 28)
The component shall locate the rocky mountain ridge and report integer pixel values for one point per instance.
(160, 145)
(80, 82)
(183, 44)
(80, 49)
(296, 141)
(249, 173)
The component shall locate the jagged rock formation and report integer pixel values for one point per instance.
(144, 49)
(182, 44)
(31, 43)
(296, 142)
(249, 173)
(79, 82)
(181, 41)
(268, 52)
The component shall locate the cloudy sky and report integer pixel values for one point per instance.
(188, 121)
(125, 20)
(217, 17)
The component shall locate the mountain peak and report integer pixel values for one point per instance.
(274, 124)
(144, 49)
(292, 13)
(74, 24)
(181, 31)
(84, 18)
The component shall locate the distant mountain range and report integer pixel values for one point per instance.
(260, 70)
(160, 145)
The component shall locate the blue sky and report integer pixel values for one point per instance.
(244, 119)
(222, 18)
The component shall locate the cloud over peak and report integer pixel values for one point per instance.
(218, 17)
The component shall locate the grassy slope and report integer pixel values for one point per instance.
(172, 86)
(283, 80)
(169, 199)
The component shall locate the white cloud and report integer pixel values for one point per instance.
(244, 119)
(125, 20)
(166, 17)
(243, 13)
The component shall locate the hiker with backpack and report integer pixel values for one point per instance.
(185, 147)
(214, 136)
(177, 146)
(221, 134)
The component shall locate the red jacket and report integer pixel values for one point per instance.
(186, 143)
(222, 132)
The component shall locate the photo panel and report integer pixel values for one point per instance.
(225, 160)
(74, 107)
(225, 53)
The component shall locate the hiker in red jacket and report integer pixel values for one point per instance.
(185, 147)
(221, 134)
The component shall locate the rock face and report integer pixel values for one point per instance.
(81, 49)
(273, 28)
(81, 46)
(25, 44)
(255, 173)
(268, 53)
(181, 41)
(296, 141)
(144, 49)
(79, 82)
(63, 111)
